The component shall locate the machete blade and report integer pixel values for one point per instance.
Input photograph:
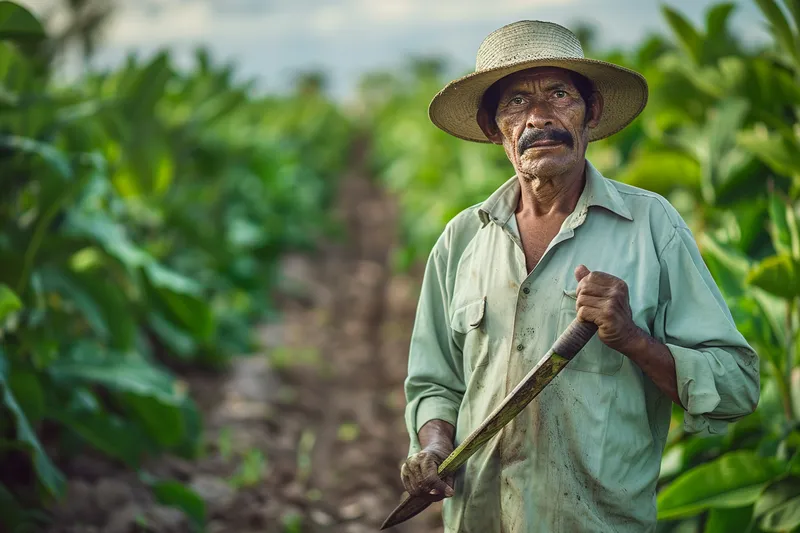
(564, 349)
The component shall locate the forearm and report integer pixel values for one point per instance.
(656, 361)
(437, 436)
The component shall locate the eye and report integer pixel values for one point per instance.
(560, 94)
(517, 100)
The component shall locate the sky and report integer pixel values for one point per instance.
(271, 40)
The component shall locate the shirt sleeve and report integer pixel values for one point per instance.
(434, 386)
(717, 370)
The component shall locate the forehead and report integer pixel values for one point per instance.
(536, 75)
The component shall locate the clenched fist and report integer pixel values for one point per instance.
(603, 300)
(420, 474)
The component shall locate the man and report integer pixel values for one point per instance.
(506, 277)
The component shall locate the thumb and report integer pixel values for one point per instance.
(581, 272)
(449, 480)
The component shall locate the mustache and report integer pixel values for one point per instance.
(532, 135)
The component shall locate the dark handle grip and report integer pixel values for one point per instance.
(574, 338)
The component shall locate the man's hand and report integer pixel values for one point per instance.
(603, 300)
(420, 471)
(420, 476)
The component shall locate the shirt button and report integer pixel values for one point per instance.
(526, 290)
(520, 347)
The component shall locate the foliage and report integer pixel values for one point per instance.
(145, 209)
(143, 215)
(720, 139)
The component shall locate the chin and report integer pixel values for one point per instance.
(544, 167)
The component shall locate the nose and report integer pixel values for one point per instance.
(540, 116)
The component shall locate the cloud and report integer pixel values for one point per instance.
(176, 21)
(270, 39)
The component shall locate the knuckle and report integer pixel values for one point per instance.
(429, 481)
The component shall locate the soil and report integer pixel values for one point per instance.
(308, 435)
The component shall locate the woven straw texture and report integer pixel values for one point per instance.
(527, 44)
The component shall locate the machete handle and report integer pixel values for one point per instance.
(574, 338)
(568, 344)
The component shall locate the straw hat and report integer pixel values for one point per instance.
(527, 44)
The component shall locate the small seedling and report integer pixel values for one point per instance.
(348, 432)
(304, 448)
(225, 444)
(251, 471)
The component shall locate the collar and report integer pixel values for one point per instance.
(599, 191)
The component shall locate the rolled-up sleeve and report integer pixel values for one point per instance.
(717, 371)
(435, 384)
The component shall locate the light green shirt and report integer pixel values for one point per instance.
(585, 454)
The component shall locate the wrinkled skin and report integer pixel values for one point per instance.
(603, 299)
(547, 100)
(543, 124)
(420, 471)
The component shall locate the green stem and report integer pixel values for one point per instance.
(785, 380)
(35, 243)
(41, 230)
(785, 391)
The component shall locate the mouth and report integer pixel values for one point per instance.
(546, 144)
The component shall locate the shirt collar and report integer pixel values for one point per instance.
(599, 191)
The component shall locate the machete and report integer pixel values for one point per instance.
(566, 347)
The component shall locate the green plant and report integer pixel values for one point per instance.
(251, 471)
(720, 138)
(143, 217)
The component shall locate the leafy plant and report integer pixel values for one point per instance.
(144, 213)
(720, 139)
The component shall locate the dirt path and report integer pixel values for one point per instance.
(308, 435)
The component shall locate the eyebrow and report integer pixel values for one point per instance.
(556, 85)
(512, 92)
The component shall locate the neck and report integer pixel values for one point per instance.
(552, 195)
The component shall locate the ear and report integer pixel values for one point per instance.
(595, 110)
(489, 126)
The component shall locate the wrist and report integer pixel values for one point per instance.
(436, 438)
(439, 449)
(635, 343)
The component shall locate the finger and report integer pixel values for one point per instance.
(450, 482)
(435, 485)
(591, 288)
(406, 478)
(589, 314)
(430, 478)
(414, 479)
(581, 272)
(600, 284)
(588, 300)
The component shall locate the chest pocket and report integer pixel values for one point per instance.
(595, 357)
(468, 323)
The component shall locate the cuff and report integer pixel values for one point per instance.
(433, 408)
(430, 408)
(697, 390)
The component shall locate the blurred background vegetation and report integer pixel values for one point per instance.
(145, 210)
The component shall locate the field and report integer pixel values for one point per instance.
(206, 293)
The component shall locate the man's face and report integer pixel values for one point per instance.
(543, 122)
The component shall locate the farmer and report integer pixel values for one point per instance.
(506, 277)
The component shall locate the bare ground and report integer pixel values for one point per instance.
(307, 436)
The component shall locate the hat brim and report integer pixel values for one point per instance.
(454, 109)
